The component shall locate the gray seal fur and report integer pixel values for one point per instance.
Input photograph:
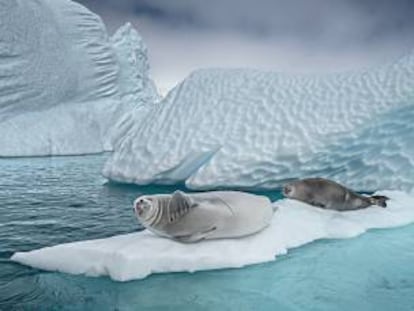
(209, 215)
(328, 194)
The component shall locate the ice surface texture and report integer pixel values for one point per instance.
(59, 78)
(249, 128)
(138, 92)
(137, 255)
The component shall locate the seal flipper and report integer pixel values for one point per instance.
(317, 204)
(180, 196)
(180, 204)
(195, 237)
(379, 200)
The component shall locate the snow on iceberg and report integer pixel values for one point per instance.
(250, 128)
(59, 79)
(137, 255)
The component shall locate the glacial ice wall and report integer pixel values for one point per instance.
(250, 128)
(60, 78)
(137, 255)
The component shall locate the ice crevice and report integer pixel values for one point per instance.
(186, 168)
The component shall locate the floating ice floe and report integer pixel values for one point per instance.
(137, 255)
(65, 86)
(250, 128)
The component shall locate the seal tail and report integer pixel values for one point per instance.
(379, 200)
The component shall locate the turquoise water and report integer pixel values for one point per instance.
(45, 201)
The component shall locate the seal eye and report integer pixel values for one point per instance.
(287, 190)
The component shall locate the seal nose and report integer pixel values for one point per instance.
(138, 206)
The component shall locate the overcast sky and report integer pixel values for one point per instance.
(290, 35)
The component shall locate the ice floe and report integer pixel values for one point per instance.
(137, 255)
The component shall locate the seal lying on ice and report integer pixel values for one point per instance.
(210, 215)
(330, 195)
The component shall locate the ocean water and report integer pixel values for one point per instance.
(46, 201)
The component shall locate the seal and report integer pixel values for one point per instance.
(200, 216)
(328, 194)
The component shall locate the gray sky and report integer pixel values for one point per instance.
(290, 35)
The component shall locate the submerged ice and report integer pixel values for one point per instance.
(137, 255)
(62, 79)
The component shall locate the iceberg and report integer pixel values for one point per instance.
(138, 255)
(138, 92)
(255, 129)
(62, 79)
